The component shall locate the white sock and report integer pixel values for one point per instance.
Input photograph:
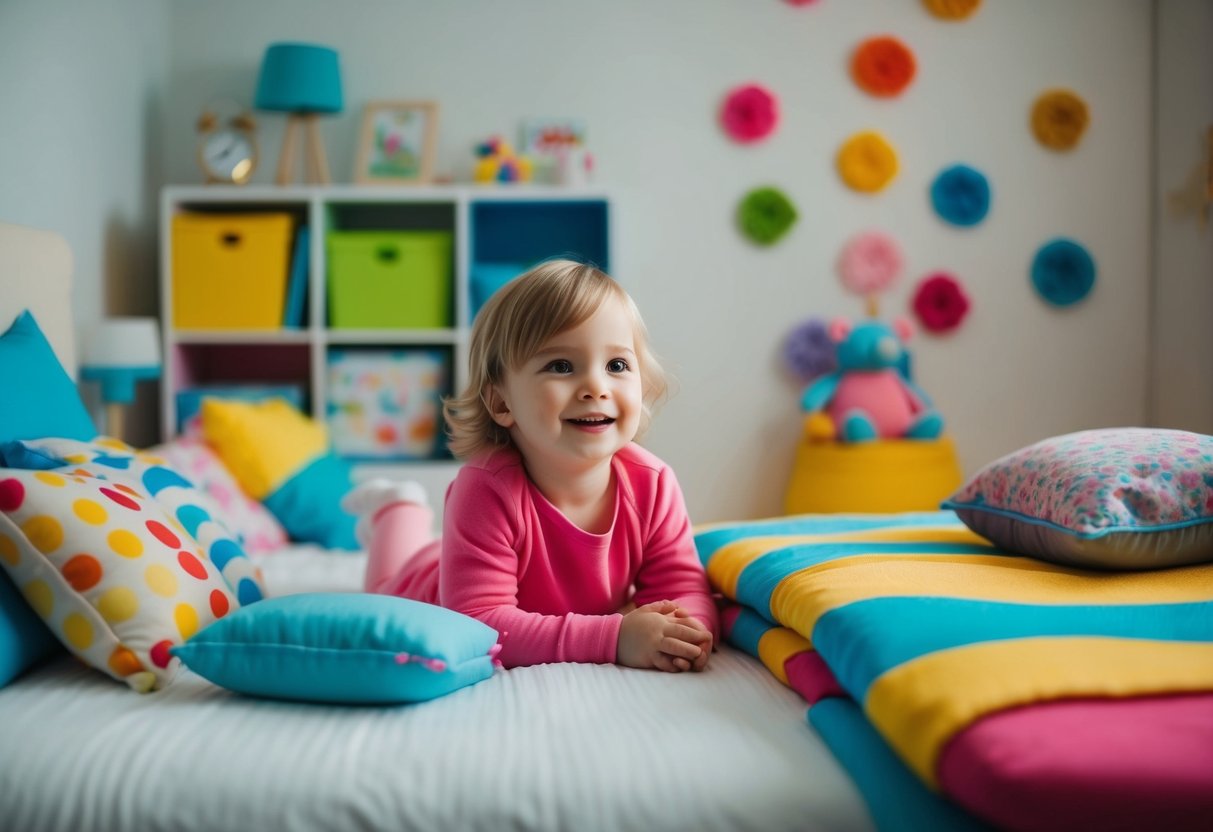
(366, 499)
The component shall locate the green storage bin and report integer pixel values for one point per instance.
(390, 279)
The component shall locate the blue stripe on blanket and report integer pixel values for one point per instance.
(897, 800)
(760, 577)
(927, 624)
(708, 542)
(748, 630)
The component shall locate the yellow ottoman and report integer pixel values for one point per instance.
(883, 476)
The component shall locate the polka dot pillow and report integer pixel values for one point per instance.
(195, 510)
(257, 530)
(114, 577)
(1119, 498)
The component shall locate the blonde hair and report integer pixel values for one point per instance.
(515, 323)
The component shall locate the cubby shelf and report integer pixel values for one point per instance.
(502, 227)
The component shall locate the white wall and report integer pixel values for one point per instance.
(80, 94)
(648, 78)
(1181, 369)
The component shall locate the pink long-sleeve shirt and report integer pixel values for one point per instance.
(511, 559)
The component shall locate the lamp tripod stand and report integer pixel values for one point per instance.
(303, 129)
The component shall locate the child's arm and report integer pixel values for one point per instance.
(478, 576)
(670, 568)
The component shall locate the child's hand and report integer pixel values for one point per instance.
(654, 636)
(705, 638)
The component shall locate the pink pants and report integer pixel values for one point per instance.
(403, 556)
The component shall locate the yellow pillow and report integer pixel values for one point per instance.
(263, 443)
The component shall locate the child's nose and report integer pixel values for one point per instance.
(593, 386)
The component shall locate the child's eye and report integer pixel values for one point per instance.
(617, 365)
(560, 365)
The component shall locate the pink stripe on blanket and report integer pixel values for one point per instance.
(809, 676)
(1107, 764)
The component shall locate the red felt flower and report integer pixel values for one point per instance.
(940, 303)
(883, 66)
(750, 113)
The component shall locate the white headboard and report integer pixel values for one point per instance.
(36, 274)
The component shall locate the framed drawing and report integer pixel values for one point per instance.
(398, 142)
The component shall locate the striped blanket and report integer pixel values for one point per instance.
(1034, 695)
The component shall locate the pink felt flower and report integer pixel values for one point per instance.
(800, 2)
(750, 113)
(940, 302)
(870, 263)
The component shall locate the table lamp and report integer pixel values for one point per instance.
(303, 80)
(118, 352)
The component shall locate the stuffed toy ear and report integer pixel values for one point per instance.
(840, 328)
(903, 328)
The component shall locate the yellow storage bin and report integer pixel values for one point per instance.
(390, 279)
(230, 270)
(882, 476)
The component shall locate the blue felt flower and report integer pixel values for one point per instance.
(961, 195)
(1063, 272)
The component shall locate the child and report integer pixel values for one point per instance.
(559, 532)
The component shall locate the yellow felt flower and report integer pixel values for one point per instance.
(951, 9)
(1059, 118)
(867, 162)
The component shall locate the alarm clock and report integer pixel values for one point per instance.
(227, 149)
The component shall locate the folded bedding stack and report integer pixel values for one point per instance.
(962, 683)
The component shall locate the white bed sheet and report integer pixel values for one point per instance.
(552, 747)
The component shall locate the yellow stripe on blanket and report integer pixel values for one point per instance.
(726, 565)
(776, 646)
(904, 705)
(803, 597)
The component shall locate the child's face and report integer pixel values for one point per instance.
(579, 399)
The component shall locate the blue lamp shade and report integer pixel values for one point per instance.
(118, 352)
(299, 78)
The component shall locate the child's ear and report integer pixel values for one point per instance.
(498, 408)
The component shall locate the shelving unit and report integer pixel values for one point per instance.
(512, 227)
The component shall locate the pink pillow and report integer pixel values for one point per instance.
(258, 529)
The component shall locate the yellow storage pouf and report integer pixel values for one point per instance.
(882, 476)
(390, 279)
(230, 270)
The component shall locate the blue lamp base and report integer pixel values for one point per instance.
(117, 390)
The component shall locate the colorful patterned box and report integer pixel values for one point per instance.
(386, 404)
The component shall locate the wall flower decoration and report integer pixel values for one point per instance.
(1059, 119)
(961, 195)
(765, 215)
(883, 66)
(870, 262)
(940, 303)
(866, 162)
(951, 9)
(1063, 272)
(809, 351)
(750, 113)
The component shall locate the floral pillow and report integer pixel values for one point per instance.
(257, 529)
(1116, 498)
(197, 513)
(112, 575)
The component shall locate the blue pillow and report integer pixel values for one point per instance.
(24, 639)
(40, 399)
(308, 505)
(350, 648)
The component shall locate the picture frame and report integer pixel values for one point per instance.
(398, 143)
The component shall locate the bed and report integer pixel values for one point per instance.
(894, 671)
(578, 747)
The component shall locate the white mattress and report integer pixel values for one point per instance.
(560, 747)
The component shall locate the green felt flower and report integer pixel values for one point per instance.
(765, 215)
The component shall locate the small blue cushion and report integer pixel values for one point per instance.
(40, 399)
(308, 505)
(351, 648)
(24, 639)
